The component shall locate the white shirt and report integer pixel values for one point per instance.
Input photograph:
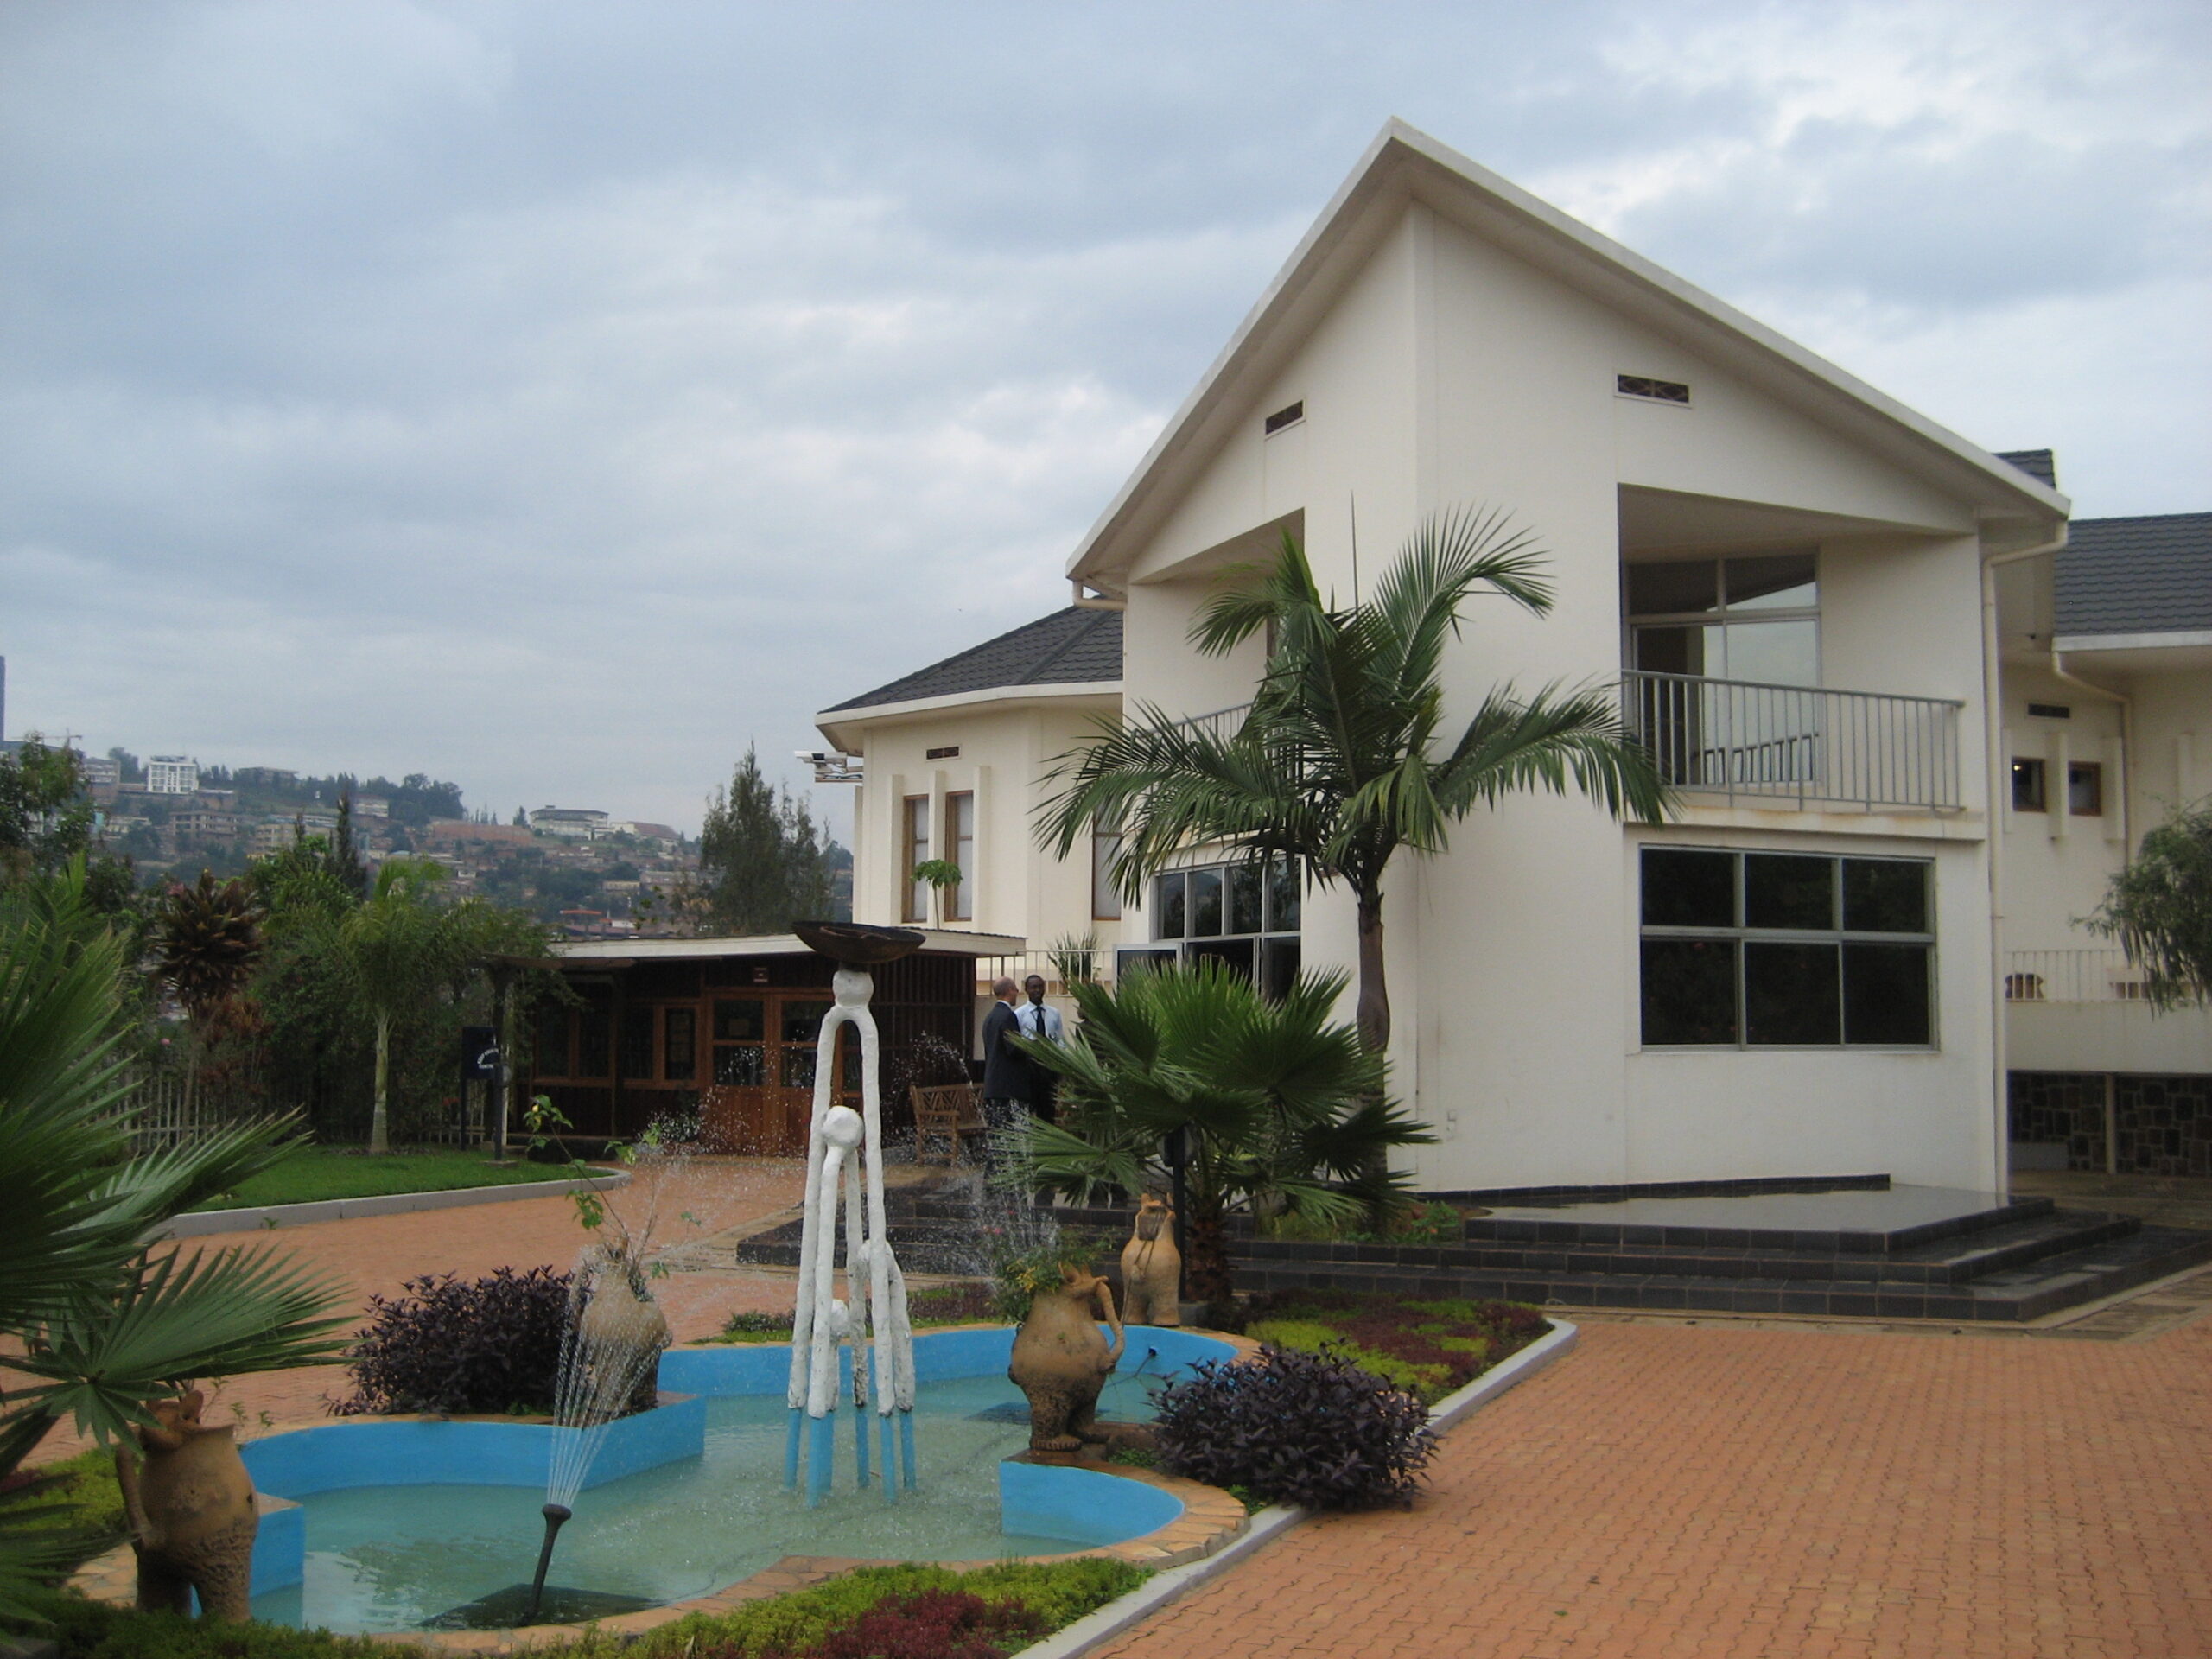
(1040, 1019)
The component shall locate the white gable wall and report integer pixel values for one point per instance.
(1450, 372)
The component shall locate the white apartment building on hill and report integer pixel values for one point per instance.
(172, 774)
(1807, 592)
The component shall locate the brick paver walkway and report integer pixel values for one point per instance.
(375, 1253)
(1667, 1492)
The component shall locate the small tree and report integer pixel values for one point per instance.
(943, 876)
(395, 954)
(2160, 909)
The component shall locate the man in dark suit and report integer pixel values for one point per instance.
(1007, 1073)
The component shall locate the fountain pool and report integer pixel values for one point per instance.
(394, 1557)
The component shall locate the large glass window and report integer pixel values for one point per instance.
(1244, 914)
(1748, 618)
(1785, 951)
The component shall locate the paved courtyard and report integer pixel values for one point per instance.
(1668, 1490)
(1671, 1489)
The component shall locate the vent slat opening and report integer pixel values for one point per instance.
(1658, 392)
(1287, 416)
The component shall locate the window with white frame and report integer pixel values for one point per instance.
(1754, 949)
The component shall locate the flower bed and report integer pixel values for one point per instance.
(1427, 1346)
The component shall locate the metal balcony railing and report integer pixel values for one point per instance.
(1805, 744)
(2078, 976)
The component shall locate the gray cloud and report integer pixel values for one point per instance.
(555, 397)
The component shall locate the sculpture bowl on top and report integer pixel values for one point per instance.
(862, 944)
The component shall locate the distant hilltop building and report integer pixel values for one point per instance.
(570, 822)
(172, 774)
(372, 806)
(100, 772)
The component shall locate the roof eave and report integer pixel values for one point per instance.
(830, 722)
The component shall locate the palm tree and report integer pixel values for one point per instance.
(1279, 1107)
(398, 950)
(1340, 763)
(102, 1325)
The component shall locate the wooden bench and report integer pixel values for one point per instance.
(950, 1112)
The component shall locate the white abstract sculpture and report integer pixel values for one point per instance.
(844, 1152)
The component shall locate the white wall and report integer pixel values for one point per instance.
(1006, 748)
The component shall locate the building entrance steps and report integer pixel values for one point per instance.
(1860, 1251)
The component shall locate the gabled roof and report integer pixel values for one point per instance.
(2039, 464)
(1071, 647)
(1404, 164)
(2129, 576)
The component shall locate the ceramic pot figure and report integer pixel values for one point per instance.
(1061, 1360)
(1152, 1267)
(193, 1521)
(618, 1323)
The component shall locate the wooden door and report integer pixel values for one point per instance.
(763, 1069)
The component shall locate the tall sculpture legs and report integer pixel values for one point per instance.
(869, 1331)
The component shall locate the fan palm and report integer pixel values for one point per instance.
(1279, 1107)
(1342, 761)
(101, 1325)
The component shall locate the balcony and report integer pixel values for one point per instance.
(1805, 746)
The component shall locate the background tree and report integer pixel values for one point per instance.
(1280, 1107)
(45, 816)
(764, 862)
(1341, 762)
(2160, 909)
(396, 951)
(207, 941)
(345, 857)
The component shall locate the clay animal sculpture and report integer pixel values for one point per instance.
(1061, 1360)
(1152, 1267)
(193, 1521)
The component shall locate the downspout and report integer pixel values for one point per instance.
(1993, 713)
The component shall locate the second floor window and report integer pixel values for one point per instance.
(960, 827)
(1749, 618)
(914, 851)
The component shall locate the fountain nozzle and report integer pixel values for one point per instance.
(557, 1516)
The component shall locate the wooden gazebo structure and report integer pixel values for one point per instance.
(727, 1028)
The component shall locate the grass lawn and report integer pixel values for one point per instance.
(348, 1172)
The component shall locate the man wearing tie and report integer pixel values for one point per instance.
(1039, 1019)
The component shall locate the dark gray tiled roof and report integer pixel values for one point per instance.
(2038, 464)
(1065, 648)
(2136, 576)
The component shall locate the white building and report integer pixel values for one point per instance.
(2108, 725)
(570, 822)
(1798, 974)
(172, 774)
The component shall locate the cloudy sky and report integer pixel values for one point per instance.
(556, 397)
